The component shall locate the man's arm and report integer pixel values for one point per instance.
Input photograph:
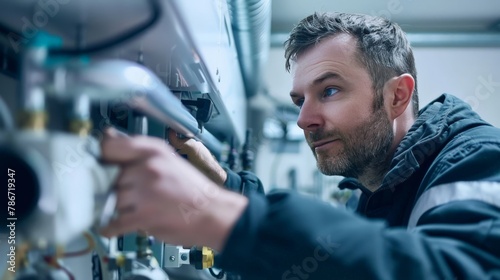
(199, 156)
(288, 236)
(455, 236)
(162, 193)
(196, 153)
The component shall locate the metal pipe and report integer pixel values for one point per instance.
(485, 39)
(134, 84)
(251, 24)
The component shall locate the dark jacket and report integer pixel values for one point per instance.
(435, 216)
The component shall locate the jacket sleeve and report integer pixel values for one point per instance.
(288, 236)
(243, 182)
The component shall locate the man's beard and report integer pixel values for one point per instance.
(365, 148)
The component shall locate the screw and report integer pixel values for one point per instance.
(172, 258)
(184, 257)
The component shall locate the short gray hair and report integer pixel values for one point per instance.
(382, 46)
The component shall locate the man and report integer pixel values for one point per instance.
(430, 207)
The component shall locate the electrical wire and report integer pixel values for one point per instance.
(219, 275)
(155, 16)
(90, 247)
(8, 31)
(70, 275)
(53, 262)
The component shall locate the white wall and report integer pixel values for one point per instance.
(472, 74)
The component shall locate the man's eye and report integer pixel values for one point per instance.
(299, 102)
(330, 91)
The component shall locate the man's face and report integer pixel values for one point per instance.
(346, 134)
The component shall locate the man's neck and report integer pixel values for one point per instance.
(374, 174)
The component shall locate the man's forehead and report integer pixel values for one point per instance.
(337, 50)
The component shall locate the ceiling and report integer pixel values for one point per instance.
(446, 16)
(411, 15)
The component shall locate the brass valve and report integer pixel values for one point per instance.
(33, 120)
(201, 258)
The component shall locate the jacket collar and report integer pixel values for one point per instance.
(428, 135)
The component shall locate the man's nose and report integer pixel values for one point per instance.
(310, 118)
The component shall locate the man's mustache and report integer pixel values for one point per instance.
(319, 135)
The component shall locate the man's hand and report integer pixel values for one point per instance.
(199, 156)
(161, 193)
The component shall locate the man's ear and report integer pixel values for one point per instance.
(398, 92)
